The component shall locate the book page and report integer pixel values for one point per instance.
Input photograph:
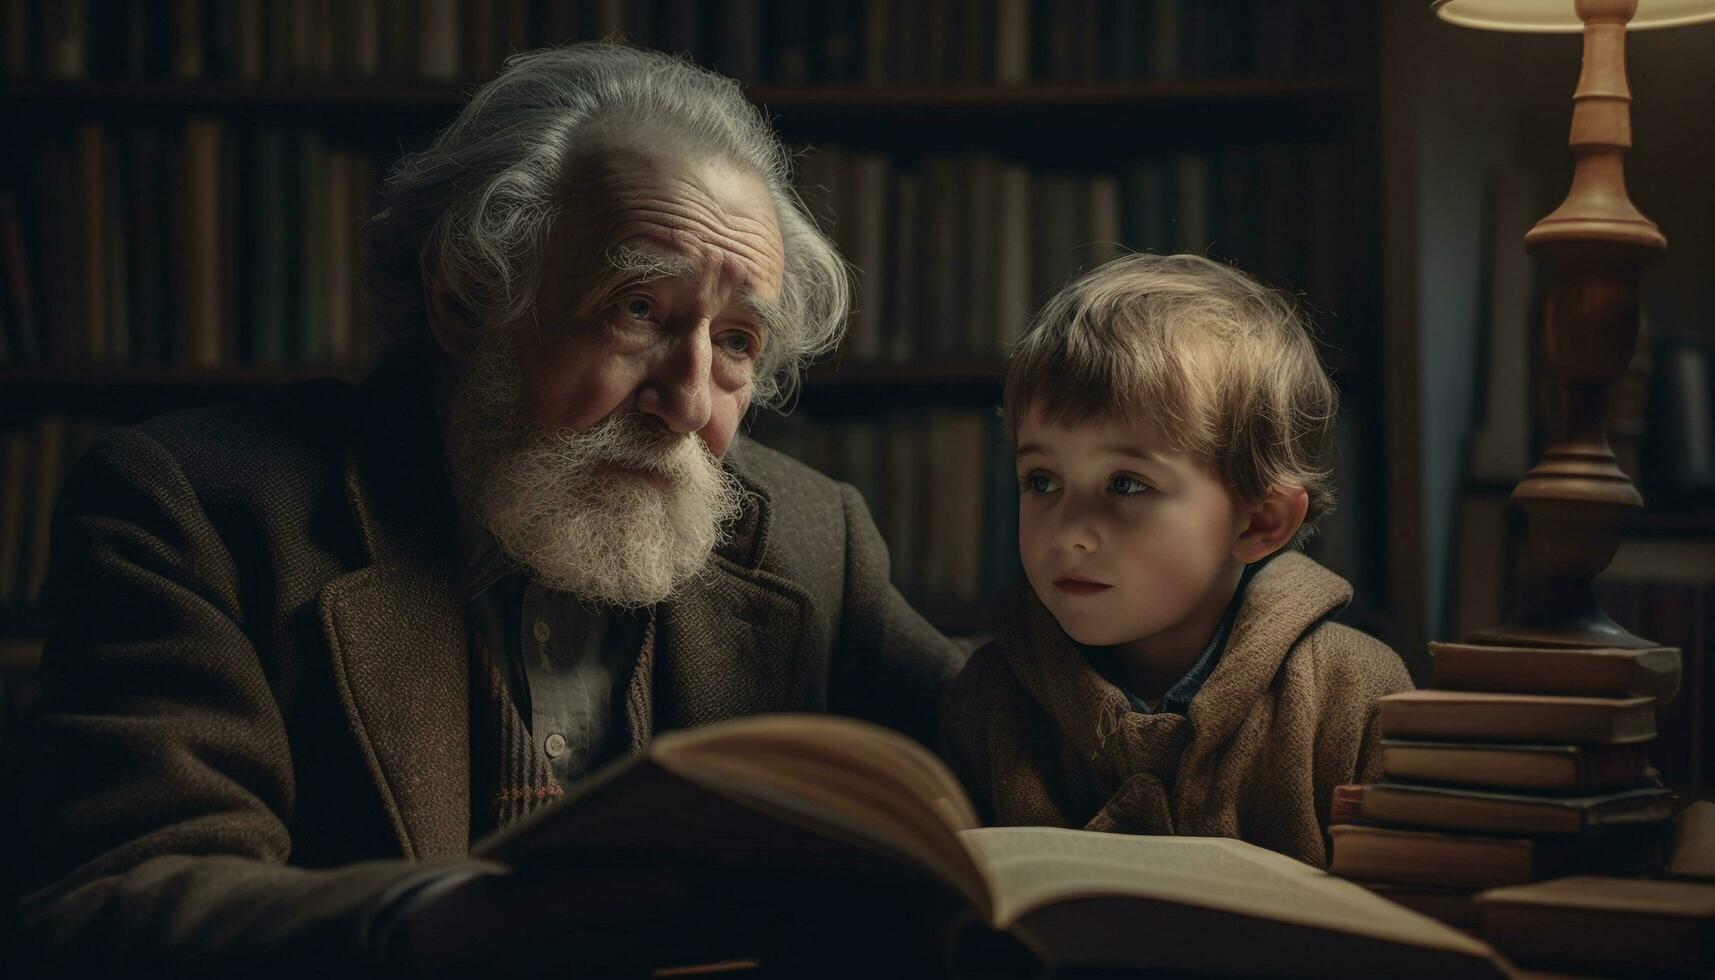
(1030, 867)
(859, 779)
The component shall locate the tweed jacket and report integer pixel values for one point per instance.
(256, 699)
(1039, 737)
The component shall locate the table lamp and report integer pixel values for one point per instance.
(1594, 245)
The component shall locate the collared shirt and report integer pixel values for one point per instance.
(566, 661)
(1178, 697)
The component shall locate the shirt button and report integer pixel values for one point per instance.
(541, 631)
(555, 744)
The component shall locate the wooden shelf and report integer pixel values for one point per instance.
(387, 94)
(1028, 121)
(49, 377)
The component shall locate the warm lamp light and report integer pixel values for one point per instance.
(1561, 16)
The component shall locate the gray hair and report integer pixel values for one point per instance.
(474, 210)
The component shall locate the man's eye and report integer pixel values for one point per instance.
(636, 307)
(1038, 484)
(1127, 486)
(738, 343)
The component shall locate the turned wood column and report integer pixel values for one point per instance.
(1594, 244)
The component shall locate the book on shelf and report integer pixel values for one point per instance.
(1600, 925)
(204, 244)
(1436, 859)
(940, 485)
(839, 803)
(22, 335)
(226, 244)
(1435, 714)
(49, 470)
(1487, 811)
(1548, 768)
(1607, 672)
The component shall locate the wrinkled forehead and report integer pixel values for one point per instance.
(698, 213)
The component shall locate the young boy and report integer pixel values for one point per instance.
(1171, 668)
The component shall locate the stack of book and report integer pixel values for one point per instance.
(1516, 765)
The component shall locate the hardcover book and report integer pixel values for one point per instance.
(1517, 717)
(1602, 925)
(1431, 858)
(839, 802)
(1454, 808)
(1652, 672)
(1552, 768)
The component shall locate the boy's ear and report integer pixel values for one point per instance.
(1271, 523)
(450, 320)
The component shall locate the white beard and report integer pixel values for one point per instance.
(557, 504)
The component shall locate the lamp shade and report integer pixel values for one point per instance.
(1561, 16)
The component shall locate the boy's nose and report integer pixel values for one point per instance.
(1075, 534)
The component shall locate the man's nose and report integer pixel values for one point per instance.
(677, 389)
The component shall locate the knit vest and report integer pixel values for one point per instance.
(508, 777)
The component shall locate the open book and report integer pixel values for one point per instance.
(833, 802)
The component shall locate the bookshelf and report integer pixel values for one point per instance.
(1260, 122)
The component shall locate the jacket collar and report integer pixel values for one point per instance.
(1286, 597)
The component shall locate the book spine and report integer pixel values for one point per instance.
(66, 40)
(201, 273)
(439, 41)
(92, 184)
(21, 306)
(50, 445)
(869, 238)
(1013, 259)
(1012, 42)
(339, 255)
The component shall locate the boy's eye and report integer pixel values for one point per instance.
(1127, 486)
(637, 307)
(1038, 484)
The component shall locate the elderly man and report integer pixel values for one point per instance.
(310, 649)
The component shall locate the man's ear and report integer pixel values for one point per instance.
(450, 320)
(1271, 523)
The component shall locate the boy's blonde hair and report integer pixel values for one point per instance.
(1222, 364)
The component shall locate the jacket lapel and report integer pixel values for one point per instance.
(396, 628)
(727, 645)
(396, 634)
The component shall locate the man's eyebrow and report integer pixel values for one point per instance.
(1027, 449)
(770, 315)
(643, 260)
